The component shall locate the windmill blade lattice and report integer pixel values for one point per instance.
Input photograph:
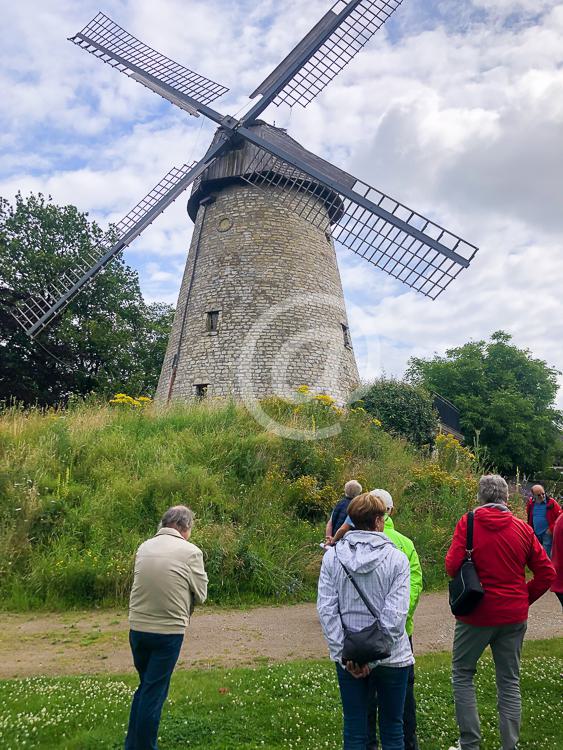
(36, 312)
(395, 250)
(108, 41)
(394, 238)
(360, 22)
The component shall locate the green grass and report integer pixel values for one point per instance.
(80, 489)
(278, 707)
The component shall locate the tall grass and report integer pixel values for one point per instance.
(81, 488)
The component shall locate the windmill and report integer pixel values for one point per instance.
(261, 308)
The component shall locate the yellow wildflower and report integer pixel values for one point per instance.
(325, 399)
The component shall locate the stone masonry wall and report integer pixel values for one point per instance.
(274, 278)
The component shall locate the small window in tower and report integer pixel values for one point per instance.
(201, 390)
(346, 334)
(212, 321)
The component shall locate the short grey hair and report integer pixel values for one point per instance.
(352, 489)
(492, 489)
(178, 517)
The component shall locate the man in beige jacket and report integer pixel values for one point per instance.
(169, 581)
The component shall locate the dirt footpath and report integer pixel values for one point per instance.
(96, 641)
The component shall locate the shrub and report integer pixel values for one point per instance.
(81, 488)
(403, 409)
(311, 501)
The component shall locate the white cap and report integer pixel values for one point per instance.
(385, 496)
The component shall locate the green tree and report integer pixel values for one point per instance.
(403, 409)
(107, 339)
(506, 397)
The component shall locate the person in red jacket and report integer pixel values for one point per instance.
(542, 512)
(557, 558)
(503, 546)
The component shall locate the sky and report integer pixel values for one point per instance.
(455, 108)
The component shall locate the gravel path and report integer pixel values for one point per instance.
(96, 641)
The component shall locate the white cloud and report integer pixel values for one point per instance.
(458, 113)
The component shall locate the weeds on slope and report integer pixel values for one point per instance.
(80, 489)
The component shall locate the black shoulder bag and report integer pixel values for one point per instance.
(465, 589)
(369, 644)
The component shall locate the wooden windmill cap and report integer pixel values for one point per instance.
(242, 158)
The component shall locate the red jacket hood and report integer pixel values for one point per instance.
(494, 518)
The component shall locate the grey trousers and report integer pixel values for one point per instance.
(506, 644)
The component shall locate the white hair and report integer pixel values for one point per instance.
(492, 489)
(178, 517)
(352, 489)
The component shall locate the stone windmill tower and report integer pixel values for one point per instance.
(261, 308)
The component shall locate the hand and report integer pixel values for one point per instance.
(356, 670)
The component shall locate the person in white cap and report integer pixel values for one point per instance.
(405, 545)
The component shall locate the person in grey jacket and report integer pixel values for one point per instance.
(382, 572)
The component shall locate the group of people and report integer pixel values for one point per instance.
(361, 540)
(368, 570)
(388, 571)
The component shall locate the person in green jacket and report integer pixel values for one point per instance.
(403, 543)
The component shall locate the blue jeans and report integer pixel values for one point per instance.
(390, 686)
(409, 715)
(546, 540)
(154, 656)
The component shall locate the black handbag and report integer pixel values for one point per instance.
(369, 644)
(465, 589)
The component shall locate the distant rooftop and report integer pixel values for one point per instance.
(449, 416)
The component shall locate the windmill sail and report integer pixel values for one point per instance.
(108, 41)
(36, 312)
(403, 243)
(394, 238)
(323, 53)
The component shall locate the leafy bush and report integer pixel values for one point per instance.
(81, 488)
(311, 501)
(403, 409)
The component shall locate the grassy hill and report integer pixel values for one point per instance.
(81, 488)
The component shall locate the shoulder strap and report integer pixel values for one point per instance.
(469, 543)
(358, 589)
